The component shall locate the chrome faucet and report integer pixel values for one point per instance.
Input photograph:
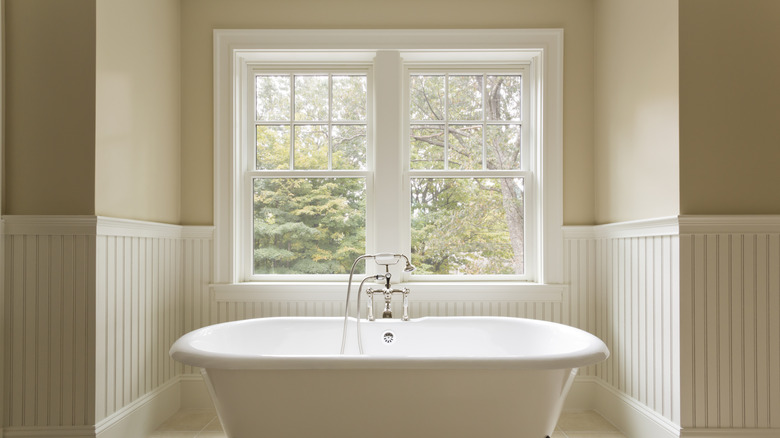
(387, 292)
(385, 259)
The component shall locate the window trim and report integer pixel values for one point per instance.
(235, 49)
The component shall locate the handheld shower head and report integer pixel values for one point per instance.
(409, 266)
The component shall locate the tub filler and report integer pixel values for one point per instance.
(448, 377)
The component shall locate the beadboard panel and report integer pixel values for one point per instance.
(137, 318)
(91, 307)
(236, 310)
(731, 337)
(625, 290)
(199, 308)
(49, 338)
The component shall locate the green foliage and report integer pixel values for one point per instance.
(308, 225)
(459, 226)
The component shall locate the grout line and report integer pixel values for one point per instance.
(207, 425)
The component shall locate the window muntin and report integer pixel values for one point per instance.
(309, 181)
(469, 164)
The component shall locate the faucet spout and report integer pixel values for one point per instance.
(388, 313)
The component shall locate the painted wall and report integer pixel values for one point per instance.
(729, 106)
(200, 17)
(137, 133)
(50, 107)
(636, 122)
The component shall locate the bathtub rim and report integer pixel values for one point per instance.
(183, 352)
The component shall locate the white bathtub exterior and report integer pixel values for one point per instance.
(453, 377)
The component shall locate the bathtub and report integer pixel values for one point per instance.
(449, 377)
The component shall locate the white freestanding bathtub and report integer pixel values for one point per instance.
(434, 377)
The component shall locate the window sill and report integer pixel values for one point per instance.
(428, 291)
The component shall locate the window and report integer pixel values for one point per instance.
(309, 179)
(327, 148)
(468, 161)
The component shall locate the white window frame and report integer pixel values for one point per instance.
(499, 66)
(236, 50)
(244, 221)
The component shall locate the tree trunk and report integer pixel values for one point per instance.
(513, 201)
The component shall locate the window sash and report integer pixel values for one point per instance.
(250, 121)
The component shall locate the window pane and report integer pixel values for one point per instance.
(465, 150)
(465, 98)
(426, 95)
(466, 226)
(504, 100)
(503, 144)
(311, 147)
(311, 98)
(427, 147)
(273, 97)
(349, 147)
(308, 225)
(273, 147)
(349, 98)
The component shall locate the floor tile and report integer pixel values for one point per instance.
(172, 434)
(595, 435)
(585, 421)
(188, 420)
(213, 426)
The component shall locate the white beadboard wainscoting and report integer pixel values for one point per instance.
(730, 324)
(92, 305)
(689, 307)
(624, 281)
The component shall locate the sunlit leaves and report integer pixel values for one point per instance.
(311, 146)
(464, 97)
(273, 97)
(311, 98)
(503, 146)
(349, 98)
(427, 97)
(427, 147)
(349, 147)
(460, 226)
(465, 147)
(504, 100)
(273, 147)
(328, 129)
(308, 225)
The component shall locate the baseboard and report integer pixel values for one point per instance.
(143, 416)
(730, 433)
(633, 418)
(194, 393)
(50, 432)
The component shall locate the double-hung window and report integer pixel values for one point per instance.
(327, 148)
(309, 179)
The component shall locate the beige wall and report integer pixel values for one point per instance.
(137, 136)
(50, 107)
(729, 106)
(636, 110)
(200, 17)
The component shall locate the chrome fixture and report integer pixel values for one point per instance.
(385, 259)
(388, 292)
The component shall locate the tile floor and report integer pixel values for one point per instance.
(204, 424)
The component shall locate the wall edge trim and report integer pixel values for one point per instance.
(82, 225)
(146, 406)
(662, 226)
(705, 224)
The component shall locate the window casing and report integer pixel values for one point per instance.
(387, 169)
